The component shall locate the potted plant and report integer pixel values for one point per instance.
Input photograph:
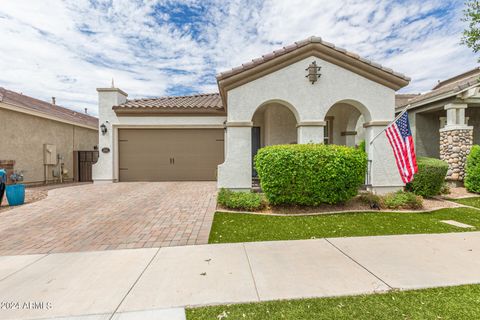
(16, 192)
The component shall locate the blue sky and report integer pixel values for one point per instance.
(68, 48)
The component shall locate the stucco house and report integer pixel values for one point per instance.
(47, 142)
(307, 92)
(445, 121)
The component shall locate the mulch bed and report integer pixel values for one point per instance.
(354, 205)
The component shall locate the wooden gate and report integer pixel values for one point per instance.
(85, 160)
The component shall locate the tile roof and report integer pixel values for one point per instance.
(448, 87)
(23, 101)
(474, 71)
(297, 45)
(209, 103)
(402, 98)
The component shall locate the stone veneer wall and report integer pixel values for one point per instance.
(455, 145)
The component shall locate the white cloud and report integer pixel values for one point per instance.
(67, 49)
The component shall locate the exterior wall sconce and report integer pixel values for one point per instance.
(103, 129)
(313, 72)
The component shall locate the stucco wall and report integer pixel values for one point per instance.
(277, 125)
(360, 136)
(22, 137)
(344, 118)
(310, 103)
(280, 125)
(106, 169)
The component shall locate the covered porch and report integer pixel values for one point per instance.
(447, 129)
(277, 123)
(310, 92)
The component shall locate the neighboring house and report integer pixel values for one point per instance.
(44, 140)
(445, 121)
(310, 91)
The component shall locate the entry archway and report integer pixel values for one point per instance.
(344, 123)
(274, 123)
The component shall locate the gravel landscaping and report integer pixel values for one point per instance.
(31, 195)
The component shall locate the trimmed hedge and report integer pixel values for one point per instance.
(430, 178)
(248, 201)
(472, 172)
(310, 174)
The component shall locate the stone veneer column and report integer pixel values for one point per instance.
(455, 145)
(456, 140)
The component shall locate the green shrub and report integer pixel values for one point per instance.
(310, 174)
(402, 200)
(362, 145)
(472, 177)
(248, 201)
(445, 189)
(373, 200)
(430, 178)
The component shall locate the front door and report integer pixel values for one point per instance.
(255, 146)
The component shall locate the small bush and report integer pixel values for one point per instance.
(445, 189)
(373, 200)
(362, 145)
(430, 178)
(402, 200)
(248, 201)
(472, 176)
(310, 174)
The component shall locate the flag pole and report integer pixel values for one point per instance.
(396, 118)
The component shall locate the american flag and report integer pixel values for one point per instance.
(401, 140)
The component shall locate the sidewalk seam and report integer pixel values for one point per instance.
(134, 284)
(251, 271)
(24, 267)
(358, 263)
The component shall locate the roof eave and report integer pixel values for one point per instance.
(151, 111)
(442, 96)
(40, 114)
(319, 50)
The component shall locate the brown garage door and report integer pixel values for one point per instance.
(170, 154)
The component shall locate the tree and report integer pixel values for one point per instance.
(471, 35)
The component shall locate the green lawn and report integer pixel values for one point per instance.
(462, 302)
(237, 227)
(474, 202)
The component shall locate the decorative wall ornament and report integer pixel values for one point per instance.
(313, 72)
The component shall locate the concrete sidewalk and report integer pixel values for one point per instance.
(158, 283)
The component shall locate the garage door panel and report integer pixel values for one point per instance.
(170, 154)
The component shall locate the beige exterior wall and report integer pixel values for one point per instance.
(106, 170)
(22, 137)
(309, 103)
(277, 125)
(344, 118)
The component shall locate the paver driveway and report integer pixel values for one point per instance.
(111, 216)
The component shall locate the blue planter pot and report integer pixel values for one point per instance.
(15, 194)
